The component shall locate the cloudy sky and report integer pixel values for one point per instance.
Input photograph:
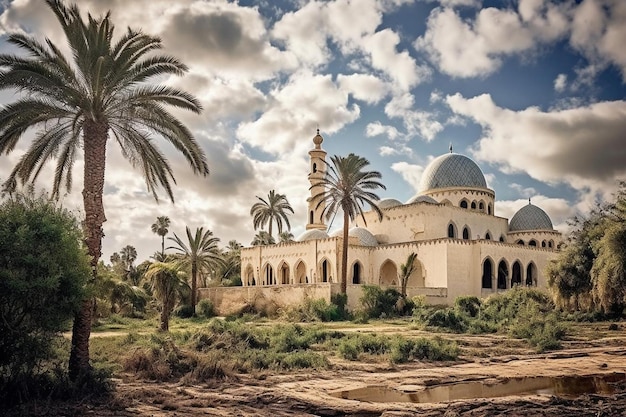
(532, 90)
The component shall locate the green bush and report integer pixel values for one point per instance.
(379, 303)
(184, 311)
(43, 272)
(206, 309)
(404, 350)
(449, 319)
(468, 305)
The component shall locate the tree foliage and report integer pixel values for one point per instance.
(75, 104)
(346, 189)
(43, 272)
(590, 272)
(270, 210)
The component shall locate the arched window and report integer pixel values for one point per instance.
(520, 242)
(487, 274)
(503, 275)
(311, 217)
(324, 270)
(451, 231)
(314, 167)
(532, 242)
(481, 206)
(502, 239)
(269, 275)
(550, 244)
(463, 204)
(473, 205)
(488, 236)
(543, 243)
(466, 233)
(531, 275)
(516, 278)
(356, 273)
(489, 209)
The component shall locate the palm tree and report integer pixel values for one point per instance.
(160, 228)
(128, 255)
(262, 238)
(200, 256)
(168, 285)
(285, 237)
(100, 91)
(345, 188)
(406, 270)
(271, 210)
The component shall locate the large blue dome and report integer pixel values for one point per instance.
(452, 170)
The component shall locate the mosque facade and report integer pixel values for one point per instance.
(462, 247)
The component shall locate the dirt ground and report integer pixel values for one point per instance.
(486, 360)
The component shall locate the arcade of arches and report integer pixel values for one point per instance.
(504, 277)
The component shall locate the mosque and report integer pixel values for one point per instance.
(462, 247)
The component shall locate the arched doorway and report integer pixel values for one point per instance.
(503, 275)
(301, 273)
(356, 273)
(284, 273)
(487, 274)
(531, 275)
(325, 270)
(388, 273)
(516, 277)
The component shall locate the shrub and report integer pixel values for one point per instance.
(404, 350)
(43, 272)
(206, 309)
(378, 302)
(184, 311)
(468, 305)
(448, 319)
(351, 346)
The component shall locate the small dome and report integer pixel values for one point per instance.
(313, 234)
(452, 170)
(422, 199)
(530, 217)
(388, 203)
(366, 238)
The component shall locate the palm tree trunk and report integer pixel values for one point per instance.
(165, 319)
(163, 248)
(194, 287)
(270, 228)
(344, 254)
(94, 140)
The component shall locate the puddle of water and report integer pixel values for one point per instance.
(562, 386)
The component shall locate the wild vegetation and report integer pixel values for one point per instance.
(590, 271)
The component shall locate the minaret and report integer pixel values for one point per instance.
(317, 173)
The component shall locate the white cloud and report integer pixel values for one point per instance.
(523, 191)
(560, 82)
(378, 129)
(416, 122)
(365, 87)
(470, 48)
(410, 173)
(582, 146)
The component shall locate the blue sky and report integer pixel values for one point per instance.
(532, 90)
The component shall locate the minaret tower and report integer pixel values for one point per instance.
(318, 171)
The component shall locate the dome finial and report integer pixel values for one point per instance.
(528, 200)
(450, 147)
(318, 139)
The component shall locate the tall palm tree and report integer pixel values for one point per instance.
(168, 285)
(200, 255)
(274, 209)
(128, 255)
(160, 228)
(345, 188)
(99, 92)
